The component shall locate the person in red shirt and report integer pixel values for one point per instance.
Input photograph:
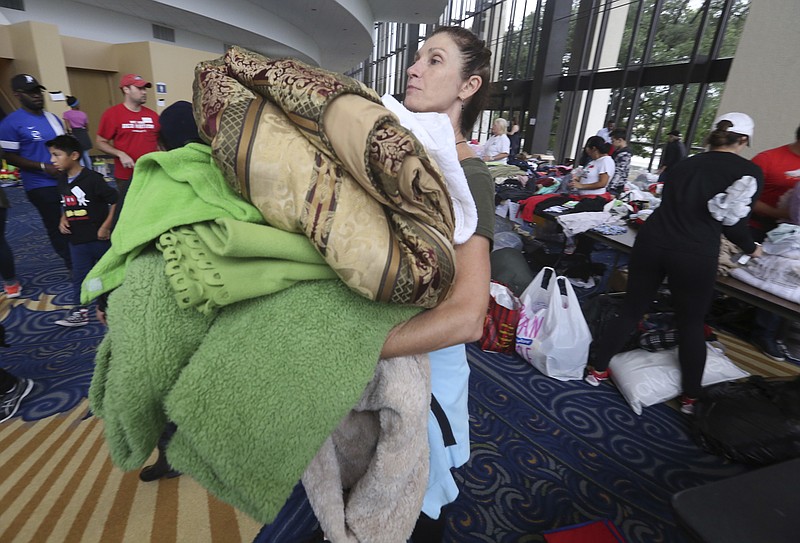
(128, 130)
(781, 167)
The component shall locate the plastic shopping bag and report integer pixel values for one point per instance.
(561, 348)
(534, 300)
(500, 324)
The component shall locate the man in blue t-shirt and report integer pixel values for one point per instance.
(23, 134)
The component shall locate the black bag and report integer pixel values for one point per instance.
(599, 311)
(756, 421)
(82, 135)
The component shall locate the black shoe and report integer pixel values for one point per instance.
(9, 402)
(160, 470)
(773, 348)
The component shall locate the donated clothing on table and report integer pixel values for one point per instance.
(25, 134)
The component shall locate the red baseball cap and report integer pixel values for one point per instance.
(133, 79)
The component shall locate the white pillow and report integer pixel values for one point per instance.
(646, 378)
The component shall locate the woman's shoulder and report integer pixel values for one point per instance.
(606, 158)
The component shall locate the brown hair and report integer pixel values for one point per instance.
(475, 58)
(721, 137)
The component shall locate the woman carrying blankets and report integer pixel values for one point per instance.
(705, 196)
(451, 76)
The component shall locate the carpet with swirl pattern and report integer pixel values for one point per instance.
(545, 454)
(548, 454)
(58, 482)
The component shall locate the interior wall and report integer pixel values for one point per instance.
(765, 76)
(91, 70)
(89, 54)
(174, 66)
(37, 51)
(95, 92)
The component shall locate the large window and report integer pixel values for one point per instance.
(652, 65)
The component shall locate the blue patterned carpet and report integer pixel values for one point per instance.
(545, 454)
(59, 360)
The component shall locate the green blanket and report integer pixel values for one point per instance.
(213, 264)
(169, 189)
(255, 387)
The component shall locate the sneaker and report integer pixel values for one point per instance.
(773, 348)
(594, 377)
(9, 402)
(79, 317)
(13, 290)
(687, 405)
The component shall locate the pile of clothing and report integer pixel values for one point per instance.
(778, 270)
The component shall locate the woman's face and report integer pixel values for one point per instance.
(434, 80)
(497, 129)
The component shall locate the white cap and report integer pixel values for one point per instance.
(742, 124)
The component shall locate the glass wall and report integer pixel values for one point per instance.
(562, 67)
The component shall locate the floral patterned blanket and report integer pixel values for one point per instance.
(317, 153)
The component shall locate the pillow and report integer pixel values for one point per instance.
(646, 378)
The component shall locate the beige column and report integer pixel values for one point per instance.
(38, 51)
(608, 52)
(764, 80)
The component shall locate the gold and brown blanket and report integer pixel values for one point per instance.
(317, 153)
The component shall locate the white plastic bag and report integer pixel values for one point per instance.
(561, 347)
(534, 300)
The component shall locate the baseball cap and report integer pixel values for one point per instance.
(742, 124)
(25, 83)
(674, 133)
(133, 79)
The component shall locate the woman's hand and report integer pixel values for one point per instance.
(759, 252)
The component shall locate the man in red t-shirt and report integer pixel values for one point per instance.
(128, 131)
(781, 167)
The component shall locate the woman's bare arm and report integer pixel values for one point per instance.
(458, 319)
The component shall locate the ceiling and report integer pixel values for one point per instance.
(334, 34)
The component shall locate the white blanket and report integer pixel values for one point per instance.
(575, 223)
(435, 132)
(774, 274)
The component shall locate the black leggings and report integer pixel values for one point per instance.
(691, 282)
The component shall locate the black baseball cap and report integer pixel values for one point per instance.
(25, 83)
(674, 133)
